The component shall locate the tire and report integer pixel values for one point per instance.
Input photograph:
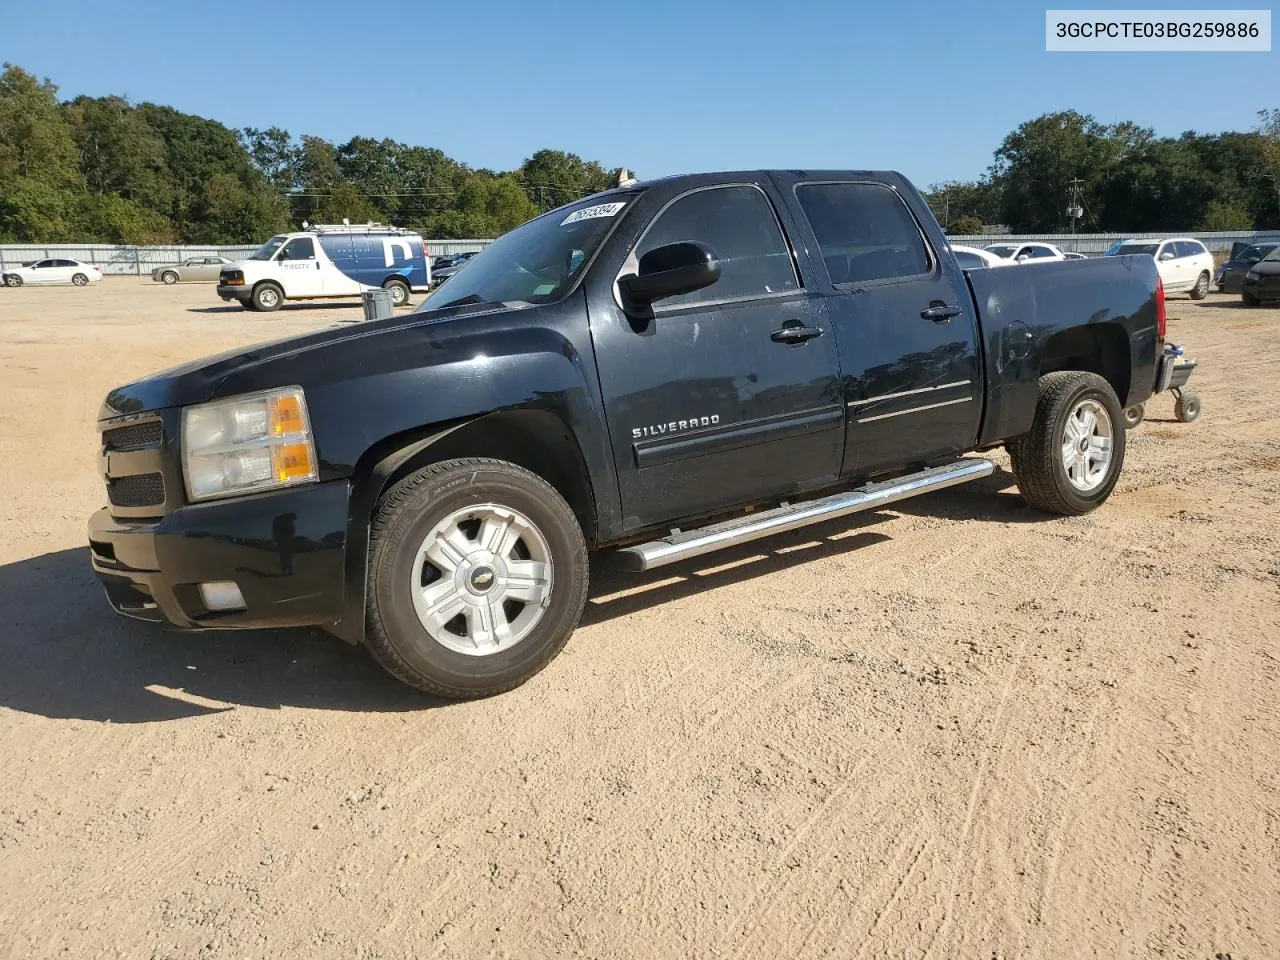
(79, 279)
(1249, 300)
(12, 280)
(463, 656)
(1187, 408)
(267, 297)
(1134, 415)
(399, 292)
(1040, 455)
(168, 278)
(1201, 289)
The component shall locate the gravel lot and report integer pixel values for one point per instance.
(953, 729)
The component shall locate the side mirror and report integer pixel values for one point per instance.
(672, 270)
(1023, 256)
(1167, 255)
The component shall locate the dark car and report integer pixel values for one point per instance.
(1230, 277)
(446, 260)
(1262, 282)
(660, 371)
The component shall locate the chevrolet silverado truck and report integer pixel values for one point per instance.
(661, 370)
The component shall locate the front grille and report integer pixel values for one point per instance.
(144, 490)
(134, 435)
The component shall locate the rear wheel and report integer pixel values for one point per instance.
(267, 297)
(79, 279)
(1070, 459)
(169, 277)
(477, 577)
(399, 292)
(1201, 289)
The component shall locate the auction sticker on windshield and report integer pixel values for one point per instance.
(590, 213)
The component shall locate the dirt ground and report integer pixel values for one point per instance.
(953, 729)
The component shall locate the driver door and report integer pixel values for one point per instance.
(300, 272)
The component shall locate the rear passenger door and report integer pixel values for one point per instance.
(904, 323)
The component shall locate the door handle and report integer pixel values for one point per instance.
(794, 332)
(940, 312)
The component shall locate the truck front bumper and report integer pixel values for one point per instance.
(284, 551)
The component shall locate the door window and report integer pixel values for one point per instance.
(1189, 248)
(969, 261)
(865, 232)
(1039, 253)
(740, 227)
(299, 248)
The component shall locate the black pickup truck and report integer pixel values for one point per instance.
(662, 370)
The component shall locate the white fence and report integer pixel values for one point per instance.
(137, 261)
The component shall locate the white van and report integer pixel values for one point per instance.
(327, 261)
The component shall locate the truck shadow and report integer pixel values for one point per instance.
(66, 655)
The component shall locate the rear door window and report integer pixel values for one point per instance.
(865, 232)
(738, 223)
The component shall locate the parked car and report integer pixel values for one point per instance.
(431, 484)
(190, 270)
(1072, 255)
(1185, 265)
(1262, 282)
(452, 259)
(54, 270)
(1230, 277)
(327, 262)
(1025, 252)
(972, 258)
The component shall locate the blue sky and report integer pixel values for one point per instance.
(926, 87)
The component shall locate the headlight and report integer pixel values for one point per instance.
(1252, 276)
(259, 441)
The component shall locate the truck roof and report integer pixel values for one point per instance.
(704, 179)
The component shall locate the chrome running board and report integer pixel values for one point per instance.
(683, 544)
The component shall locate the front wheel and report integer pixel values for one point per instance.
(1187, 408)
(1201, 289)
(169, 278)
(399, 292)
(79, 279)
(1070, 459)
(477, 577)
(1249, 300)
(12, 280)
(267, 297)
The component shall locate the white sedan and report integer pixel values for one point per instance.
(971, 258)
(54, 270)
(1016, 252)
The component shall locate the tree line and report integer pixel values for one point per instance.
(1121, 177)
(102, 169)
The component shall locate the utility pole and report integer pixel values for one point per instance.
(1075, 211)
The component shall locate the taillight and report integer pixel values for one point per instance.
(1161, 315)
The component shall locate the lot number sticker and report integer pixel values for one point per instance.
(590, 213)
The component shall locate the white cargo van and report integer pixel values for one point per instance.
(327, 261)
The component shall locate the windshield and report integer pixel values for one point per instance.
(268, 249)
(1131, 248)
(534, 263)
(1004, 251)
(1273, 255)
(1257, 252)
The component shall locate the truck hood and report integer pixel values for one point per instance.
(198, 380)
